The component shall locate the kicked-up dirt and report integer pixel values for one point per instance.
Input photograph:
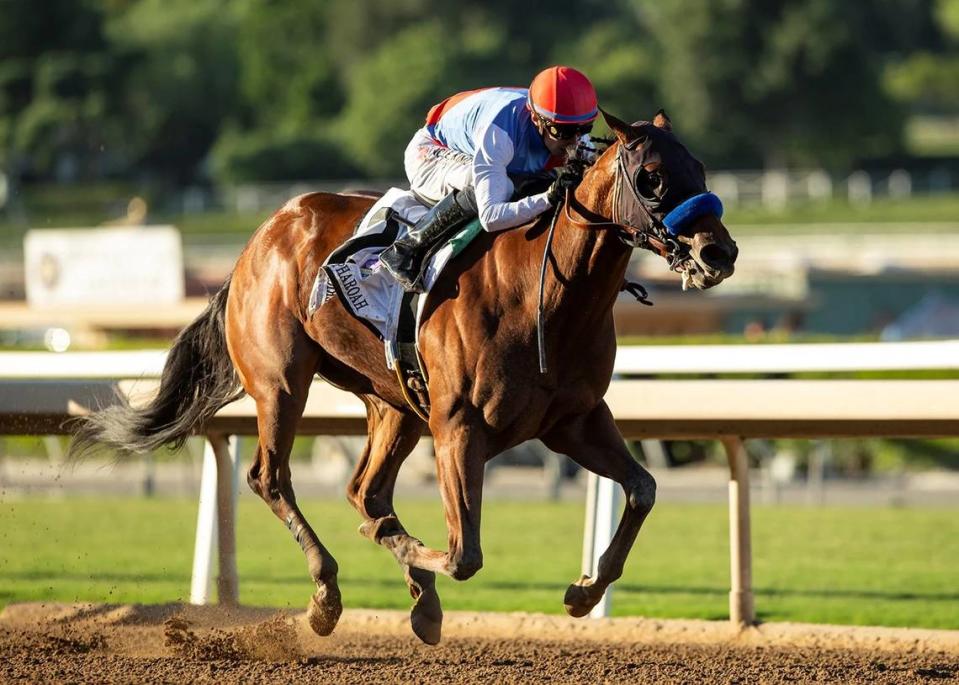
(177, 643)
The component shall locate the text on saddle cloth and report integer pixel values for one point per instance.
(353, 272)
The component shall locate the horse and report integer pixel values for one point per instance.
(478, 342)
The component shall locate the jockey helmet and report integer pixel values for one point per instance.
(563, 97)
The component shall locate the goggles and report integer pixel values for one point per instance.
(566, 131)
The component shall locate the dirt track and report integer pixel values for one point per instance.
(173, 643)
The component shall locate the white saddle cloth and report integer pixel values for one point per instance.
(367, 289)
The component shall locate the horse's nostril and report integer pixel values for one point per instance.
(715, 256)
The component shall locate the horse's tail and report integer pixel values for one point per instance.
(198, 379)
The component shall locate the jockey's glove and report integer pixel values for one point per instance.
(568, 178)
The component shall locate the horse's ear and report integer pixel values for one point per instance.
(662, 121)
(620, 128)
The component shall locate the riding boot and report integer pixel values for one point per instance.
(406, 257)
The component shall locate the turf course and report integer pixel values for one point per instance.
(893, 567)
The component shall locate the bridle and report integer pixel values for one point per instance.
(653, 236)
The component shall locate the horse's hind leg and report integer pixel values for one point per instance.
(280, 388)
(392, 435)
(593, 441)
(461, 455)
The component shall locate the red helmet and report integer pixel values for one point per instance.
(563, 95)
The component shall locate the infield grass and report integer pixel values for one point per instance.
(876, 566)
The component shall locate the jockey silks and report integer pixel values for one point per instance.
(459, 121)
(479, 139)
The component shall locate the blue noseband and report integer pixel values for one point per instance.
(686, 212)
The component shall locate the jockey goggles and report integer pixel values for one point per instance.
(565, 131)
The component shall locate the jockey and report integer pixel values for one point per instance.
(475, 144)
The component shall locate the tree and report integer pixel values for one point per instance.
(772, 82)
(291, 94)
(55, 76)
(182, 81)
(928, 80)
(288, 77)
(390, 93)
(620, 62)
(178, 89)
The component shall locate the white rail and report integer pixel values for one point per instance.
(786, 358)
(38, 391)
(631, 360)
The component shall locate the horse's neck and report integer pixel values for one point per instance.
(590, 261)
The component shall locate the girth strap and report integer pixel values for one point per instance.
(410, 372)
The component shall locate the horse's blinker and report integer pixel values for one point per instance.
(650, 225)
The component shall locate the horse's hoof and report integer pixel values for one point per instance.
(324, 609)
(426, 617)
(581, 597)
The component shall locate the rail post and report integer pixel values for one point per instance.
(216, 523)
(226, 451)
(602, 517)
(741, 610)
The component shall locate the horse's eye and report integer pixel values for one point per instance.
(648, 183)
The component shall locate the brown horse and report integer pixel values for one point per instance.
(479, 344)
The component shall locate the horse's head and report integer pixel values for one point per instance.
(661, 202)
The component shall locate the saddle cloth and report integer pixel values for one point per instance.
(369, 292)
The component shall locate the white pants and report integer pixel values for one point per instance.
(434, 170)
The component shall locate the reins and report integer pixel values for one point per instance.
(540, 318)
(640, 238)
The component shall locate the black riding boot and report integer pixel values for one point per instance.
(406, 257)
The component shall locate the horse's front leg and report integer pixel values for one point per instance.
(593, 441)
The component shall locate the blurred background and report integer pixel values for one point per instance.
(829, 129)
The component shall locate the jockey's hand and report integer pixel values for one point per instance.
(568, 178)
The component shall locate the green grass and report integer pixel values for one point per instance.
(845, 566)
(940, 213)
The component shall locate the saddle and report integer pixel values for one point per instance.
(352, 273)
